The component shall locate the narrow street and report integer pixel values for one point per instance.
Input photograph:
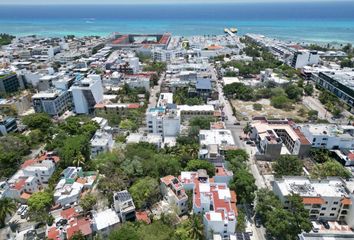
(237, 131)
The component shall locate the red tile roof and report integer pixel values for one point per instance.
(20, 184)
(79, 225)
(25, 196)
(133, 105)
(313, 200)
(53, 233)
(167, 180)
(68, 213)
(346, 201)
(143, 216)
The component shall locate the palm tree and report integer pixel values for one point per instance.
(14, 225)
(7, 207)
(79, 160)
(195, 230)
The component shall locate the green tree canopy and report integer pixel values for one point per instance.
(145, 192)
(194, 165)
(201, 122)
(330, 168)
(287, 165)
(88, 202)
(244, 184)
(40, 121)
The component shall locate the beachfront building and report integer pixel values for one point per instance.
(327, 199)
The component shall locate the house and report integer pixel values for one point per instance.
(214, 200)
(173, 192)
(104, 222)
(101, 142)
(124, 206)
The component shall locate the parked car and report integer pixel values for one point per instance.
(61, 222)
(21, 209)
(237, 123)
(249, 142)
(24, 214)
(325, 224)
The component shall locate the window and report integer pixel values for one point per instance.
(323, 208)
(321, 214)
(334, 209)
(332, 214)
(335, 203)
(314, 140)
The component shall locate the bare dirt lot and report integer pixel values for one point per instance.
(246, 109)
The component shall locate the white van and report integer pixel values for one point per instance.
(315, 227)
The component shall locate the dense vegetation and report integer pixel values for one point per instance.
(281, 223)
(5, 39)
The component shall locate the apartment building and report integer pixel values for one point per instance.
(278, 137)
(137, 81)
(327, 199)
(167, 55)
(54, 102)
(340, 83)
(187, 112)
(329, 136)
(86, 94)
(173, 192)
(163, 121)
(304, 57)
(7, 125)
(9, 82)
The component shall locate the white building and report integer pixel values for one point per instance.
(213, 142)
(53, 102)
(124, 206)
(215, 201)
(165, 122)
(173, 192)
(101, 142)
(104, 222)
(86, 94)
(155, 139)
(326, 199)
(163, 55)
(138, 81)
(329, 136)
(165, 99)
(303, 58)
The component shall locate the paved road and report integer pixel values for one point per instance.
(237, 131)
(316, 105)
(153, 91)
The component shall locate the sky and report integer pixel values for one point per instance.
(46, 2)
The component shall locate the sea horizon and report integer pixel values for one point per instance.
(325, 22)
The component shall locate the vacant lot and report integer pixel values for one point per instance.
(246, 109)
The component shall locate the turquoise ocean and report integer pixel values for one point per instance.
(321, 22)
